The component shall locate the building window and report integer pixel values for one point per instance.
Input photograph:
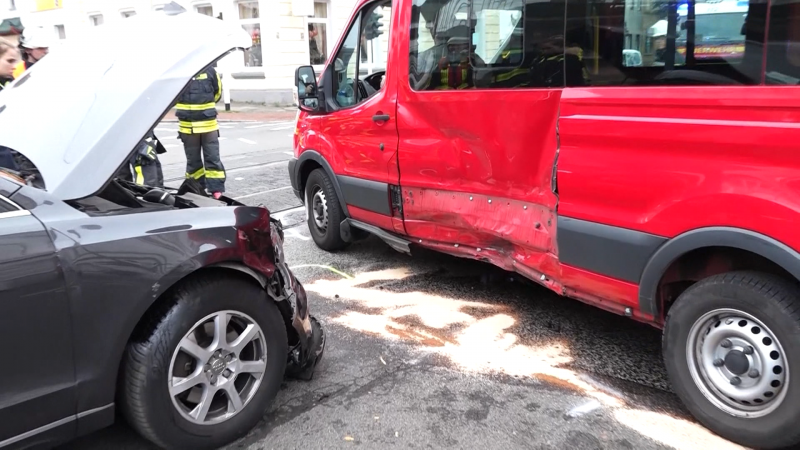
(206, 10)
(62, 33)
(250, 19)
(128, 13)
(318, 34)
(96, 19)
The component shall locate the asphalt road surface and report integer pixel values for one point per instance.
(436, 352)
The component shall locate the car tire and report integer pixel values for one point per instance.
(725, 339)
(153, 366)
(325, 213)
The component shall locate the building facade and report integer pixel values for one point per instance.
(285, 33)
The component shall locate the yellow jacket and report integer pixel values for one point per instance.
(19, 70)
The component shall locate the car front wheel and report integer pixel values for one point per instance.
(733, 357)
(205, 374)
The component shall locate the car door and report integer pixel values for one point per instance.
(37, 380)
(361, 129)
(478, 102)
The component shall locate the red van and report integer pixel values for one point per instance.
(642, 156)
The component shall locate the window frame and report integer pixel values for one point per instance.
(327, 22)
(244, 67)
(332, 67)
(199, 5)
(93, 16)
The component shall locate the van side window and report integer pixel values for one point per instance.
(674, 43)
(482, 44)
(783, 57)
(345, 67)
(360, 64)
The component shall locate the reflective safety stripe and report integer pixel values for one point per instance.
(202, 76)
(461, 82)
(139, 175)
(216, 174)
(203, 107)
(509, 75)
(219, 88)
(199, 173)
(205, 126)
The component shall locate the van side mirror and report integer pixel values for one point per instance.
(307, 93)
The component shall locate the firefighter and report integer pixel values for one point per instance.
(554, 66)
(456, 67)
(198, 129)
(34, 45)
(145, 164)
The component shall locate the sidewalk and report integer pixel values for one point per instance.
(248, 112)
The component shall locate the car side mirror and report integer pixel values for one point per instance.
(307, 91)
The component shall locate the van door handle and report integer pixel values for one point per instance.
(380, 117)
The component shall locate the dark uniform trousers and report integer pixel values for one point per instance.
(203, 162)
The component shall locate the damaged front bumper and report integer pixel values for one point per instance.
(307, 342)
(262, 252)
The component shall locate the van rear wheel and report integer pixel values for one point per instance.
(324, 211)
(732, 356)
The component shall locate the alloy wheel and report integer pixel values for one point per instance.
(217, 367)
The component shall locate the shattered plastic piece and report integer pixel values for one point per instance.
(384, 362)
(585, 408)
(348, 438)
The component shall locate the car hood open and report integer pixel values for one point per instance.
(79, 113)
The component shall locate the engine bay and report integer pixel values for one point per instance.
(124, 197)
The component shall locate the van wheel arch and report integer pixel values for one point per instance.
(772, 255)
(311, 160)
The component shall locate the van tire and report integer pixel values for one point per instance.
(324, 212)
(717, 316)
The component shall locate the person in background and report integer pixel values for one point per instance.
(199, 130)
(145, 164)
(34, 45)
(9, 57)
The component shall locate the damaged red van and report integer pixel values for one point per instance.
(642, 156)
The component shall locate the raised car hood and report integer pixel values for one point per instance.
(79, 113)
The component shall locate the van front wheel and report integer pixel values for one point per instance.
(733, 359)
(324, 211)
